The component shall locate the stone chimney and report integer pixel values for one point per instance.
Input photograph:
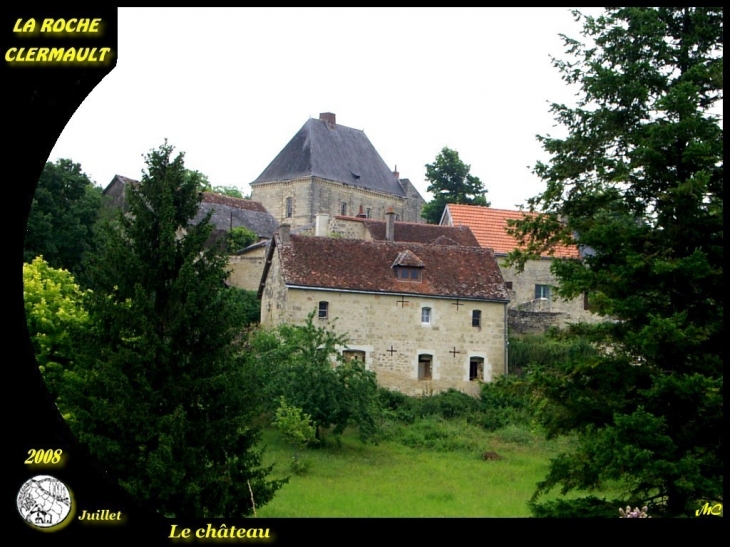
(390, 224)
(284, 231)
(321, 225)
(396, 173)
(361, 213)
(328, 117)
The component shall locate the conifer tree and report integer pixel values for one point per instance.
(638, 180)
(158, 393)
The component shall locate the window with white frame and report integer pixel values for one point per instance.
(542, 291)
(323, 310)
(425, 367)
(425, 316)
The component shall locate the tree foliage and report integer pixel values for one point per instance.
(159, 393)
(451, 182)
(240, 238)
(302, 364)
(54, 311)
(65, 208)
(639, 181)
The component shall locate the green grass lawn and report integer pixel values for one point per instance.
(393, 480)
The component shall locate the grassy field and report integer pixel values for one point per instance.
(441, 474)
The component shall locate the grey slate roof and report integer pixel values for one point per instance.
(332, 152)
(231, 212)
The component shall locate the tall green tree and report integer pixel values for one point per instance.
(639, 181)
(451, 182)
(63, 213)
(158, 392)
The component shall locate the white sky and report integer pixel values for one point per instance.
(230, 87)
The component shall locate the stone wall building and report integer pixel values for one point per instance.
(533, 306)
(424, 316)
(332, 169)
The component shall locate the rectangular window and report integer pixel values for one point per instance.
(424, 367)
(542, 291)
(476, 369)
(288, 208)
(323, 309)
(404, 273)
(343, 209)
(425, 316)
(508, 284)
(476, 318)
(367, 212)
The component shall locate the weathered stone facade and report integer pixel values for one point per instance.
(541, 313)
(375, 324)
(416, 343)
(304, 198)
(245, 269)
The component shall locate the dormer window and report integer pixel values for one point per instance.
(408, 267)
(408, 274)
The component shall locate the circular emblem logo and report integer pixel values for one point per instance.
(44, 501)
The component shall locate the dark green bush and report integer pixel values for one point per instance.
(588, 507)
(545, 350)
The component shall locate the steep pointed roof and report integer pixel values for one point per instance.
(324, 149)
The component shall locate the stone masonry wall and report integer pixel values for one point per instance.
(376, 324)
(537, 272)
(313, 195)
(245, 270)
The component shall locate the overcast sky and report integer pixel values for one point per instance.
(230, 87)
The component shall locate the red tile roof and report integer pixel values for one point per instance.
(453, 271)
(490, 228)
(418, 232)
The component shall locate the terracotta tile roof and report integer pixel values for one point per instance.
(418, 232)
(453, 271)
(490, 228)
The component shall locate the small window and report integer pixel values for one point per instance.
(353, 355)
(343, 209)
(288, 208)
(542, 291)
(508, 284)
(368, 212)
(424, 367)
(476, 318)
(323, 310)
(426, 316)
(476, 369)
(408, 274)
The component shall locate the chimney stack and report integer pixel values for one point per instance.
(390, 224)
(361, 213)
(328, 117)
(396, 173)
(284, 231)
